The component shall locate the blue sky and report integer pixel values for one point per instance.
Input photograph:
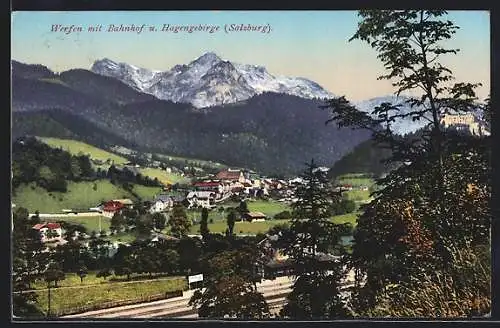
(311, 44)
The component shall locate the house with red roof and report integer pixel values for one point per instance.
(111, 207)
(49, 231)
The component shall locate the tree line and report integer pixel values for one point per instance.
(52, 168)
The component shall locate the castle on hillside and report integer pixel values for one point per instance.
(465, 122)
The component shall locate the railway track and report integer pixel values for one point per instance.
(178, 307)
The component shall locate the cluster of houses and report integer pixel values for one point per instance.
(209, 192)
(215, 189)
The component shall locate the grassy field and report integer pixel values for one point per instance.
(346, 218)
(91, 223)
(269, 208)
(75, 147)
(65, 299)
(240, 227)
(163, 176)
(145, 192)
(263, 227)
(80, 195)
(358, 195)
(355, 179)
(192, 161)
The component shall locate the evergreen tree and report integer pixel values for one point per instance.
(204, 223)
(316, 292)
(231, 220)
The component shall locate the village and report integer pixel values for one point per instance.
(228, 185)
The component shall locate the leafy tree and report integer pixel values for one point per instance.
(159, 221)
(170, 261)
(105, 272)
(316, 293)
(123, 261)
(46, 177)
(189, 252)
(229, 293)
(54, 274)
(231, 220)
(423, 209)
(204, 223)
(28, 260)
(69, 255)
(82, 272)
(343, 207)
(178, 222)
(144, 223)
(35, 219)
(70, 230)
(283, 232)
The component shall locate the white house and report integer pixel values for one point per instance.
(161, 203)
(49, 231)
(204, 199)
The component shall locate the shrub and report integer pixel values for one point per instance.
(285, 215)
(462, 289)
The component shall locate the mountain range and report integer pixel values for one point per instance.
(210, 108)
(261, 129)
(208, 81)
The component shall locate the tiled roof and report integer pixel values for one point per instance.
(50, 225)
(207, 184)
(228, 175)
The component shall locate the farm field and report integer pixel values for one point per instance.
(358, 195)
(75, 147)
(163, 176)
(80, 195)
(262, 227)
(355, 179)
(269, 208)
(146, 192)
(63, 300)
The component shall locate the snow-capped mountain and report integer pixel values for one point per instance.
(400, 126)
(208, 81)
(406, 125)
